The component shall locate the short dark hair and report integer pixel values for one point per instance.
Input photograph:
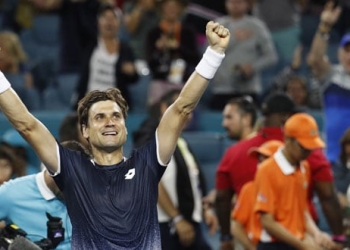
(69, 128)
(112, 94)
(247, 106)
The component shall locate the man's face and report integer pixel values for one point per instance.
(344, 57)
(106, 126)
(233, 121)
(236, 7)
(297, 151)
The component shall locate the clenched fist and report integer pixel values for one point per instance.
(218, 36)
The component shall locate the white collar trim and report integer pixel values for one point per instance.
(43, 188)
(284, 164)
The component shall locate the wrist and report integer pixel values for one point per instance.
(324, 28)
(225, 237)
(176, 219)
(209, 63)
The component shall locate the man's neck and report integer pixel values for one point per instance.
(107, 158)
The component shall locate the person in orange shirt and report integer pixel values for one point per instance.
(243, 224)
(281, 191)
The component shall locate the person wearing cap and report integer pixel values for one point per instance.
(244, 225)
(281, 191)
(237, 168)
(334, 79)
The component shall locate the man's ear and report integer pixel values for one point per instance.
(85, 131)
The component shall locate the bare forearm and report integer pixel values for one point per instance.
(223, 209)
(332, 211)
(165, 202)
(311, 227)
(279, 232)
(132, 20)
(238, 232)
(15, 111)
(319, 44)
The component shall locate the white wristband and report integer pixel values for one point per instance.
(209, 64)
(4, 83)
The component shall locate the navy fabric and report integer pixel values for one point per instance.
(274, 246)
(109, 207)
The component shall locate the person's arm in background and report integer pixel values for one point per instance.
(178, 114)
(47, 5)
(223, 202)
(133, 17)
(324, 186)
(317, 58)
(183, 228)
(322, 239)
(237, 230)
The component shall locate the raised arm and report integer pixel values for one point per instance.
(177, 114)
(31, 129)
(317, 58)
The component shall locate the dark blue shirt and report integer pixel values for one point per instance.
(112, 207)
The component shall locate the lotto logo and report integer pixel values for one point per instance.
(130, 174)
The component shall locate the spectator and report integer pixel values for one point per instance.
(239, 117)
(341, 168)
(281, 191)
(78, 28)
(109, 62)
(236, 169)
(244, 226)
(334, 79)
(171, 49)
(7, 165)
(180, 210)
(13, 65)
(250, 51)
(282, 19)
(140, 17)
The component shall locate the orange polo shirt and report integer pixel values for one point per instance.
(243, 212)
(282, 192)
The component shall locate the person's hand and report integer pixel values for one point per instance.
(211, 220)
(308, 243)
(324, 240)
(330, 14)
(218, 36)
(226, 245)
(247, 70)
(172, 44)
(128, 68)
(161, 43)
(186, 232)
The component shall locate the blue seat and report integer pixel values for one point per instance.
(210, 121)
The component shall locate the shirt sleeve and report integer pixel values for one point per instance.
(320, 167)
(243, 207)
(265, 198)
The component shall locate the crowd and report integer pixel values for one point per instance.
(269, 64)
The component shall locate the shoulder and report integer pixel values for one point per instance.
(19, 185)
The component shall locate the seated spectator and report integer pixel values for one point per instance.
(109, 62)
(13, 65)
(171, 51)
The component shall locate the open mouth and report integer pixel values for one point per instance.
(109, 133)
